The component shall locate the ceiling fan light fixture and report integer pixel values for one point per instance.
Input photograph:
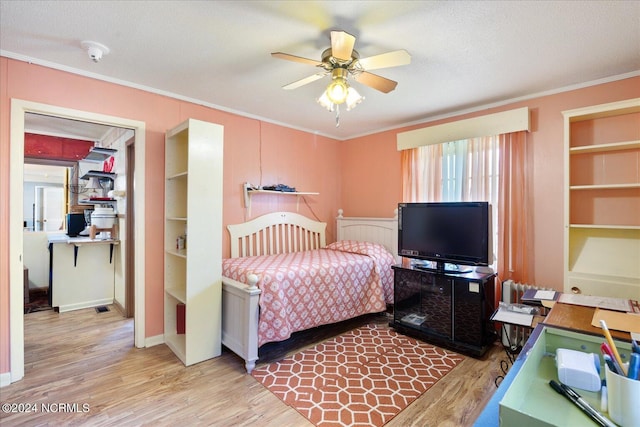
(353, 99)
(325, 102)
(338, 89)
(342, 61)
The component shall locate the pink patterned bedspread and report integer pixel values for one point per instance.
(302, 290)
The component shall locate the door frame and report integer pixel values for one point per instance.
(130, 258)
(16, 310)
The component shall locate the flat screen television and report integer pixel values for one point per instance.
(449, 234)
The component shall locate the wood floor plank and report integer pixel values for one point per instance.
(82, 366)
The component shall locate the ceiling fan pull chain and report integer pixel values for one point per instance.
(338, 115)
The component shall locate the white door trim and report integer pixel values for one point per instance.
(16, 311)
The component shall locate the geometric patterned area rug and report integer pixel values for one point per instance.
(364, 377)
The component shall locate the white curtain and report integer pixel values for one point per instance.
(466, 170)
(458, 171)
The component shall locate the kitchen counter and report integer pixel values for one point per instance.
(63, 238)
(82, 271)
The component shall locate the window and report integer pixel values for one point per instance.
(465, 170)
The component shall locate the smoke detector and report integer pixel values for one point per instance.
(95, 50)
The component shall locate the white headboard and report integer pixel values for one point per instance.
(378, 230)
(284, 232)
(276, 233)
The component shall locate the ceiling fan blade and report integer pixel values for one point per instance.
(342, 45)
(377, 82)
(294, 58)
(304, 81)
(386, 60)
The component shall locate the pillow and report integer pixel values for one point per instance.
(356, 247)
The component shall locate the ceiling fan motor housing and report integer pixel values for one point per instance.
(329, 60)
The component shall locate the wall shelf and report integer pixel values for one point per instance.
(99, 174)
(249, 192)
(600, 148)
(606, 226)
(99, 154)
(604, 186)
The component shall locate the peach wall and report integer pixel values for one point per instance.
(368, 190)
(253, 149)
(372, 185)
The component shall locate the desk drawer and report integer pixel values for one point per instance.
(531, 401)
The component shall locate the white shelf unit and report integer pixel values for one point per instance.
(193, 275)
(602, 199)
(250, 192)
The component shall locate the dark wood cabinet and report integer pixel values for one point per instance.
(450, 310)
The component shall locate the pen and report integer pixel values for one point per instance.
(609, 359)
(635, 347)
(634, 366)
(612, 345)
(612, 365)
(575, 398)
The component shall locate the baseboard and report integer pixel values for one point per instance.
(5, 379)
(151, 341)
(88, 304)
(119, 307)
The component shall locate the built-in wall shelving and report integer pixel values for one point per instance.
(602, 205)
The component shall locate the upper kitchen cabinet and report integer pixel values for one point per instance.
(55, 148)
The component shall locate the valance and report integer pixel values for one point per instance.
(490, 124)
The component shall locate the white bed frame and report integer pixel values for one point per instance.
(283, 232)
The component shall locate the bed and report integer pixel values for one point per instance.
(282, 277)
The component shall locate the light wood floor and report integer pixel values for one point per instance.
(88, 359)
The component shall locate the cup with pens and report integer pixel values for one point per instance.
(623, 382)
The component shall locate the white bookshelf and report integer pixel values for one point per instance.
(602, 202)
(193, 206)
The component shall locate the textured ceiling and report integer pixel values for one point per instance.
(465, 55)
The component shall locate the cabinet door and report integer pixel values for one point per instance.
(436, 304)
(406, 291)
(468, 312)
(76, 150)
(40, 146)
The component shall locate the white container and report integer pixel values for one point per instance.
(623, 395)
(103, 217)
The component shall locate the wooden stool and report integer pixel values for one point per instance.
(93, 230)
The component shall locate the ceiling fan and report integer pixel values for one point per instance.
(342, 61)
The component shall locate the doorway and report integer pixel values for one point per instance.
(19, 108)
(48, 208)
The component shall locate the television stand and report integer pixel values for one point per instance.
(449, 310)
